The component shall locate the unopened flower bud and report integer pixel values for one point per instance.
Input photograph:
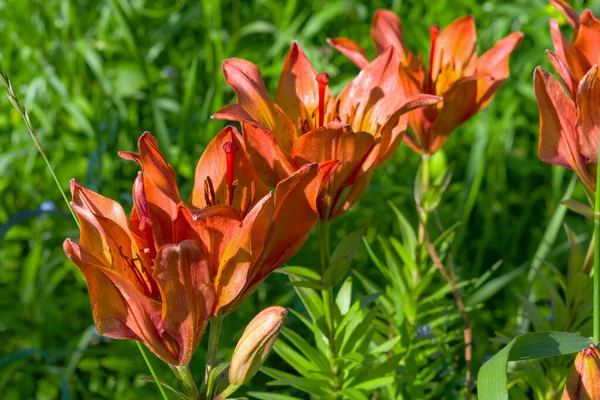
(583, 382)
(255, 344)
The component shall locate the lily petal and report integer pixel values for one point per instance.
(241, 253)
(494, 62)
(335, 141)
(460, 104)
(120, 310)
(558, 139)
(368, 101)
(213, 228)
(587, 41)
(181, 272)
(455, 46)
(566, 52)
(588, 118)
(394, 128)
(350, 49)
(568, 11)
(386, 29)
(298, 91)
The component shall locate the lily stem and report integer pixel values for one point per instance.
(597, 254)
(213, 346)
(184, 375)
(468, 331)
(425, 177)
(328, 303)
(154, 376)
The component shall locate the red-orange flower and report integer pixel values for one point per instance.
(466, 81)
(569, 126)
(361, 128)
(159, 274)
(583, 382)
(573, 60)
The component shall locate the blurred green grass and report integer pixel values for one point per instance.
(95, 74)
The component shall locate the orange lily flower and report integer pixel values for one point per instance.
(569, 127)
(158, 275)
(466, 81)
(361, 128)
(573, 60)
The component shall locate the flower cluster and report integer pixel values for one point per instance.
(159, 273)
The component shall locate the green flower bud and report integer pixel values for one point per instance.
(255, 344)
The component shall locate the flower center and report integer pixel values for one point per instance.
(210, 195)
(322, 81)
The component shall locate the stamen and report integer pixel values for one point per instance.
(207, 194)
(211, 191)
(243, 204)
(433, 34)
(305, 127)
(230, 149)
(322, 80)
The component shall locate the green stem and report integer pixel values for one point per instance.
(597, 254)
(425, 177)
(213, 346)
(184, 375)
(160, 388)
(225, 393)
(328, 303)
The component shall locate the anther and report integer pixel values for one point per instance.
(322, 81)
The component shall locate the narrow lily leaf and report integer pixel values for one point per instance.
(353, 394)
(492, 379)
(300, 272)
(271, 396)
(375, 383)
(579, 208)
(293, 358)
(342, 257)
(344, 296)
(385, 346)
(494, 286)
(309, 352)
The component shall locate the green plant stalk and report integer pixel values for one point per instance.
(14, 100)
(597, 254)
(213, 346)
(184, 375)
(228, 391)
(327, 294)
(160, 388)
(424, 216)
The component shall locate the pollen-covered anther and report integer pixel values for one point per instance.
(209, 192)
(322, 81)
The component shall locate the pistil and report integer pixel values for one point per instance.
(322, 80)
(230, 149)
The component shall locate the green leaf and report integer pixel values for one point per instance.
(494, 286)
(375, 383)
(271, 396)
(385, 346)
(579, 208)
(492, 379)
(344, 296)
(342, 257)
